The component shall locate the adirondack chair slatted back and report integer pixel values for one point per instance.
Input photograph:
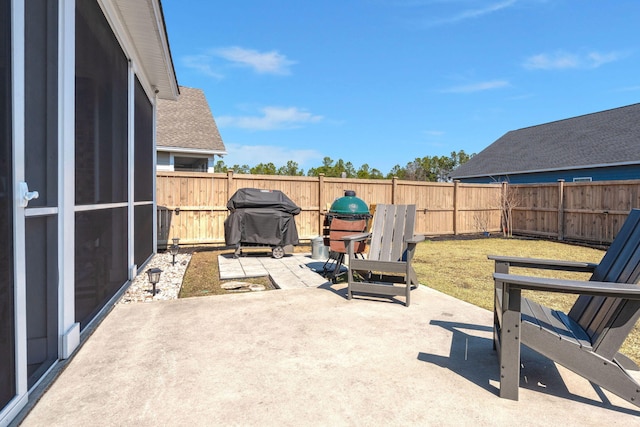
(598, 316)
(391, 224)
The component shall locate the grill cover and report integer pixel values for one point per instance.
(263, 217)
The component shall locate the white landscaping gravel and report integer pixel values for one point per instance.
(170, 280)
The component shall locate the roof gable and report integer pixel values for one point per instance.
(605, 138)
(188, 123)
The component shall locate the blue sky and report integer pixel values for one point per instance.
(383, 82)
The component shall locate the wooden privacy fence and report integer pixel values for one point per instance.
(591, 212)
(192, 205)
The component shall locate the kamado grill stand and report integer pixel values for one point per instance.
(347, 215)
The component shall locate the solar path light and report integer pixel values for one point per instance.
(173, 250)
(154, 277)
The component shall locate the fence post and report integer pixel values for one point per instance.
(504, 211)
(561, 209)
(229, 182)
(394, 189)
(320, 203)
(455, 206)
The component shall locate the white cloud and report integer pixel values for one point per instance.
(202, 64)
(561, 60)
(478, 87)
(475, 13)
(271, 62)
(629, 89)
(252, 155)
(597, 59)
(271, 118)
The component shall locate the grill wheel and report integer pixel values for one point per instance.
(277, 252)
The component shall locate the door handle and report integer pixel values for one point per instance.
(24, 195)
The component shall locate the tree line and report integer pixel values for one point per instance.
(428, 168)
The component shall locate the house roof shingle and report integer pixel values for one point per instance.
(188, 123)
(604, 138)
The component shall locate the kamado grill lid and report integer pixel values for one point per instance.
(349, 205)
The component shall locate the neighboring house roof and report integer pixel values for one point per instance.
(187, 124)
(606, 138)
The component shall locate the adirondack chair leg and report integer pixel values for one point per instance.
(510, 343)
(407, 292)
(500, 267)
(350, 249)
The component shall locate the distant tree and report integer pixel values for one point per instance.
(462, 157)
(456, 159)
(220, 167)
(241, 169)
(263, 169)
(343, 167)
(435, 169)
(324, 169)
(428, 168)
(290, 169)
(397, 171)
(365, 172)
(330, 169)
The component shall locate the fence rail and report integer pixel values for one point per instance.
(192, 205)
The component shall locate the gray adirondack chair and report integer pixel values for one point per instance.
(387, 268)
(588, 339)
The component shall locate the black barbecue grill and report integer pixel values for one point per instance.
(347, 215)
(261, 219)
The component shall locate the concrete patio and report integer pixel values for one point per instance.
(308, 356)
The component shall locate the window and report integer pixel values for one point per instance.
(101, 110)
(101, 232)
(143, 181)
(143, 177)
(143, 235)
(101, 259)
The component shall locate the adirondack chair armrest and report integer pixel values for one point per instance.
(546, 264)
(611, 289)
(416, 239)
(356, 237)
(350, 241)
